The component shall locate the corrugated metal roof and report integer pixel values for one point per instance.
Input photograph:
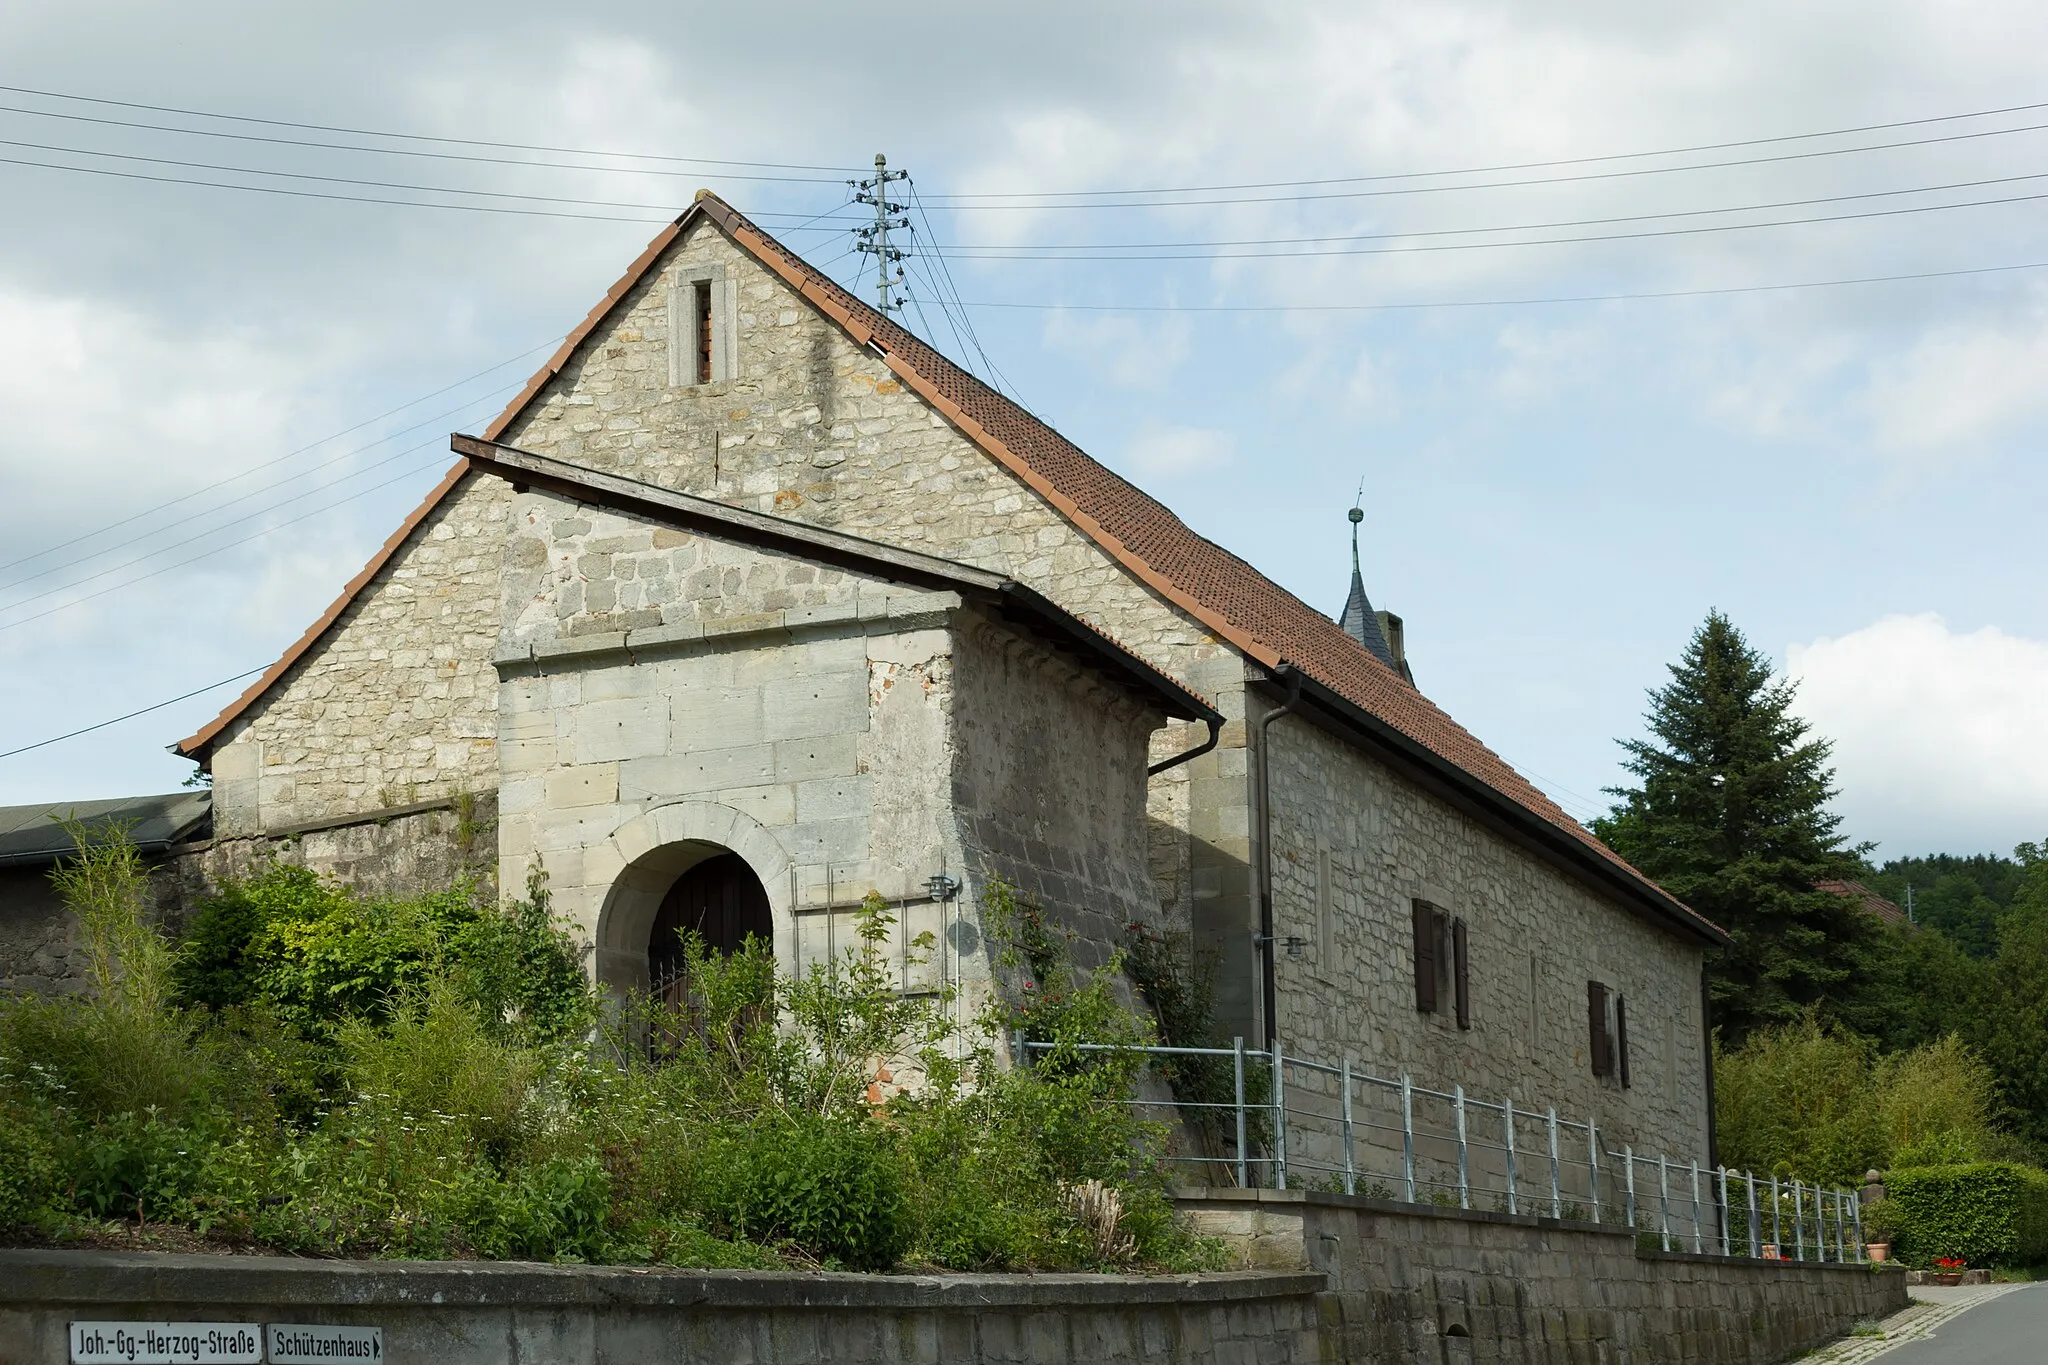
(35, 834)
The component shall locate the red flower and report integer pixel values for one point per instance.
(1951, 1262)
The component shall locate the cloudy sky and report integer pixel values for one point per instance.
(1600, 302)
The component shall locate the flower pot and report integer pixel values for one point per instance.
(1947, 1277)
(1879, 1251)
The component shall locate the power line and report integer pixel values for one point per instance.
(1625, 217)
(317, 194)
(406, 137)
(435, 420)
(290, 454)
(1587, 178)
(1526, 165)
(1499, 303)
(978, 254)
(158, 706)
(465, 157)
(669, 209)
(1547, 226)
(946, 271)
(219, 549)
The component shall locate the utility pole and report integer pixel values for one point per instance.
(875, 236)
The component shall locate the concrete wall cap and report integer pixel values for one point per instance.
(161, 1278)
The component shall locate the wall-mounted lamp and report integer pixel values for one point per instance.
(942, 887)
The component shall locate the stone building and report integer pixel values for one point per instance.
(40, 949)
(750, 578)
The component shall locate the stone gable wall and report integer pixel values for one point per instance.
(1354, 845)
(815, 428)
(396, 705)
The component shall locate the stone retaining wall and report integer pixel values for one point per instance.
(499, 1314)
(1417, 1283)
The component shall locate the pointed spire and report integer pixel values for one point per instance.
(1358, 619)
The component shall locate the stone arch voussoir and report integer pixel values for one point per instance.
(660, 845)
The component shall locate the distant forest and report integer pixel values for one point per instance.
(1963, 897)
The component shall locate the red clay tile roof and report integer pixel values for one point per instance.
(1872, 903)
(1236, 601)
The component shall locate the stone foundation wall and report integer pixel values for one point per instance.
(402, 852)
(1417, 1283)
(477, 1314)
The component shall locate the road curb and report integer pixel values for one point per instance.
(1915, 1322)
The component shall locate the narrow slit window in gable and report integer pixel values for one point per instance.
(701, 311)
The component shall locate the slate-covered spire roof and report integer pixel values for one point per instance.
(1357, 618)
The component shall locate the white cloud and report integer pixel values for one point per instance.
(1132, 352)
(1960, 383)
(1941, 739)
(1166, 450)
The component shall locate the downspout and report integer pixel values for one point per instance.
(1215, 731)
(1269, 967)
(1707, 1051)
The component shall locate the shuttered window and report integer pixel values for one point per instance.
(1599, 1044)
(1621, 1037)
(1461, 974)
(1426, 920)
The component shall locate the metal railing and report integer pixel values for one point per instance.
(1340, 1128)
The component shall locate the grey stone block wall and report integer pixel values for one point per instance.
(1354, 844)
(1049, 782)
(666, 694)
(484, 1314)
(1410, 1282)
(814, 428)
(396, 705)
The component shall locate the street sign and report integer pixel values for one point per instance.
(304, 1344)
(166, 1343)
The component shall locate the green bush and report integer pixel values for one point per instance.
(1989, 1213)
(1808, 1100)
(31, 1177)
(314, 954)
(432, 1077)
(830, 1187)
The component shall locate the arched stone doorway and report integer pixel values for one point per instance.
(658, 851)
(721, 901)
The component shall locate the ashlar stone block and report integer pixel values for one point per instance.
(608, 730)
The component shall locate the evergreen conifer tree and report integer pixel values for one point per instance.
(1731, 817)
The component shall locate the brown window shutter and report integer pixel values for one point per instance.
(1425, 957)
(1596, 1022)
(1461, 973)
(1621, 1036)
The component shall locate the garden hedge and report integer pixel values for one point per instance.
(1988, 1213)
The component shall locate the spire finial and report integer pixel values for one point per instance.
(1357, 515)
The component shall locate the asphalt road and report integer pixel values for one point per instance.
(2011, 1329)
